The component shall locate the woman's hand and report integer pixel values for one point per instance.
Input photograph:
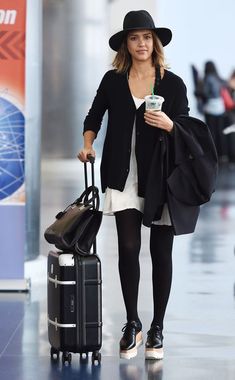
(82, 155)
(158, 119)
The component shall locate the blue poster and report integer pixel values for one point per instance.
(12, 191)
(12, 141)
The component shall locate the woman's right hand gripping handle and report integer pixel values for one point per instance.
(89, 137)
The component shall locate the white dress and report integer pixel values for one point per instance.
(116, 200)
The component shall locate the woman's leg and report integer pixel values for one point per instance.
(128, 224)
(161, 242)
(128, 228)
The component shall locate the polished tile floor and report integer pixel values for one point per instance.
(200, 321)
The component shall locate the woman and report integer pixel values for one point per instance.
(135, 165)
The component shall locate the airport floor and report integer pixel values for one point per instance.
(199, 329)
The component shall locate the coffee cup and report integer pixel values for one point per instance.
(153, 102)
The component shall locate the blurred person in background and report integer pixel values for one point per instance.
(231, 84)
(198, 89)
(229, 131)
(229, 99)
(214, 108)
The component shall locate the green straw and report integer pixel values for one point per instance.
(152, 89)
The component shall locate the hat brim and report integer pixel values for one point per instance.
(164, 35)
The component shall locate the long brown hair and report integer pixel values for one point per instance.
(122, 61)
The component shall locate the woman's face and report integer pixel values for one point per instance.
(140, 45)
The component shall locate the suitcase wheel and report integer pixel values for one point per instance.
(66, 357)
(55, 354)
(96, 357)
(83, 357)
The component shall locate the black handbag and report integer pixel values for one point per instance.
(76, 227)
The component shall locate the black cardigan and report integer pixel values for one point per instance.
(114, 95)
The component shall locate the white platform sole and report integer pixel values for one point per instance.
(154, 353)
(129, 354)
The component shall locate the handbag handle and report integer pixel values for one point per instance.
(84, 197)
(94, 201)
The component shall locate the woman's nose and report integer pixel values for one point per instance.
(141, 41)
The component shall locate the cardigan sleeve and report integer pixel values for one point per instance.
(95, 115)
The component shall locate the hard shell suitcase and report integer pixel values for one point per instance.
(74, 305)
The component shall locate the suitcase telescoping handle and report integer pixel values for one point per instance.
(92, 162)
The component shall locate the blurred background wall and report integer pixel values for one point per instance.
(76, 55)
(74, 60)
(202, 31)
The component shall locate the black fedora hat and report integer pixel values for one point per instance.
(135, 20)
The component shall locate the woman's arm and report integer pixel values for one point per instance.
(93, 120)
(89, 137)
(158, 119)
(179, 107)
(99, 105)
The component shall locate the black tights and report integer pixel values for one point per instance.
(129, 241)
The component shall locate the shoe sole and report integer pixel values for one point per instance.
(129, 354)
(154, 353)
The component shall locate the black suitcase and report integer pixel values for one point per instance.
(74, 305)
(74, 301)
